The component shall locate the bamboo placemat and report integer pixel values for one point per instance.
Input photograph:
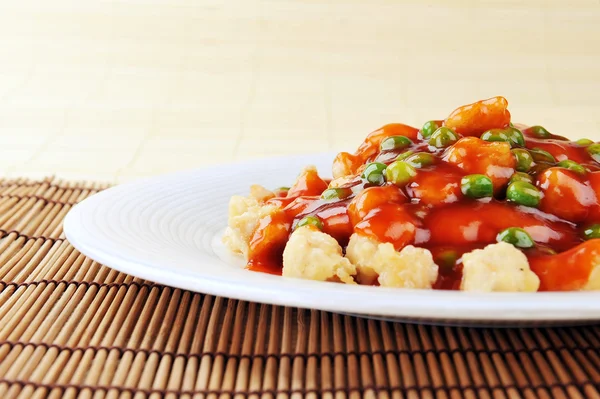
(70, 327)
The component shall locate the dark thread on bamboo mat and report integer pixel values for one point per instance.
(87, 284)
(291, 356)
(376, 388)
(6, 233)
(39, 198)
(50, 185)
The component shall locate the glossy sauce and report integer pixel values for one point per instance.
(432, 212)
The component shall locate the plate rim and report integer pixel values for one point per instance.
(510, 307)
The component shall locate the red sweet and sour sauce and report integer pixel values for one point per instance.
(432, 212)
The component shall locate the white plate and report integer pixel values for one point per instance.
(167, 229)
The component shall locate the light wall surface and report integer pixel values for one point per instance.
(115, 90)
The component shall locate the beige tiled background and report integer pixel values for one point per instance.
(117, 89)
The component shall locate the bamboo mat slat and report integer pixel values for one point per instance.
(72, 328)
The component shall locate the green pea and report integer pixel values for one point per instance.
(336, 193)
(395, 143)
(282, 189)
(520, 176)
(310, 221)
(374, 173)
(540, 155)
(594, 151)
(584, 142)
(591, 232)
(404, 155)
(540, 132)
(429, 128)
(447, 259)
(494, 135)
(572, 165)
(524, 159)
(443, 137)
(400, 172)
(477, 186)
(511, 135)
(516, 236)
(523, 193)
(421, 159)
(516, 136)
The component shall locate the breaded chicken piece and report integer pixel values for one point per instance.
(498, 267)
(409, 268)
(244, 214)
(314, 255)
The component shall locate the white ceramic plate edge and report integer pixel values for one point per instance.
(378, 301)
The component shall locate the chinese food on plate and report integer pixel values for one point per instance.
(472, 202)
